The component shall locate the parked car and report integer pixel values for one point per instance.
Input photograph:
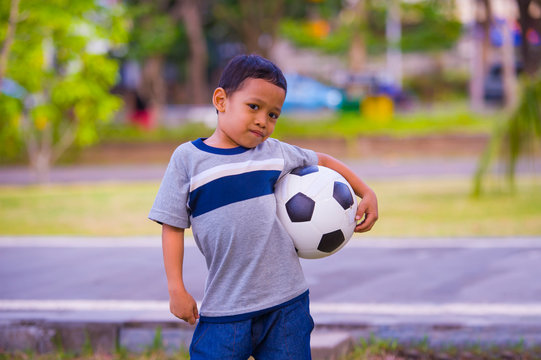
(493, 86)
(307, 94)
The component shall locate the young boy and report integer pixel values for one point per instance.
(256, 297)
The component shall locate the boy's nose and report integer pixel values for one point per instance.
(261, 120)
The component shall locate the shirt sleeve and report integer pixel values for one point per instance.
(295, 157)
(171, 203)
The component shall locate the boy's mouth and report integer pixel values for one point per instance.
(257, 133)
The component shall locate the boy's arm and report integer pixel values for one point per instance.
(181, 303)
(368, 207)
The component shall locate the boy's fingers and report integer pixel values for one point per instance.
(361, 211)
(367, 223)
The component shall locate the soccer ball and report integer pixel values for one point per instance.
(317, 207)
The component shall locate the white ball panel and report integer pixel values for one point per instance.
(328, 215)
(304, 235)
(312, 254)
(312, 185)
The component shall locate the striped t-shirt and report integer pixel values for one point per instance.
(227, 196)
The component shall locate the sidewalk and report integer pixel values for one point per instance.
(378, 169)
(451, 291)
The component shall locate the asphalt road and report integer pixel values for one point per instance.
(453, 280)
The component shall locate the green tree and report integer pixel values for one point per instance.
(426, 26)
(169, 32)
(253, 22)
(517, 135)
(58, 62)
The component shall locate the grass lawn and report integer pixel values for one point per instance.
(433, 207)
(449, 119)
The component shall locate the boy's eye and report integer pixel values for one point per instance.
(253, 106)
(274, 116)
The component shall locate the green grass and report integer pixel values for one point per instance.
(451, 119)
(92, 209)
(379, 349)
(434, 207)
(120, 354)
(445, 208)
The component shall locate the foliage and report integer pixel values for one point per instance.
(379, 348)
(438, 86)
(426, 26)
(58, 59)
(301, 34)
(519, 134)
(153, 31)
(429, 26)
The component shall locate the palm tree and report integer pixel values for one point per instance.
(517, 135)
(522, 129)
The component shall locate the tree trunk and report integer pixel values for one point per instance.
(252, 26)
(260, 21)
(509, 77)
(38, 147)
(41, 166)
(529, 58)
(255, 22)
(394, 34)
(476, 71)
(357, 49)
(481, 49)
(153, 87)
(10, 35)
(197, 79)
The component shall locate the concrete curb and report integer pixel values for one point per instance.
(330, 341)
(44, 336)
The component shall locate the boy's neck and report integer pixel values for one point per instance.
(220, 141)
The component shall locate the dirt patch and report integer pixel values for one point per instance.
(364, 147)
(127, 153)
(376, 147)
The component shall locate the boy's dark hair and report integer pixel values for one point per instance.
(242, 67)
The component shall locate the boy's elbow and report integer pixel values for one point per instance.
(322, 159)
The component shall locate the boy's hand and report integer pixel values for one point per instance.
(367, 211)
(183, 306)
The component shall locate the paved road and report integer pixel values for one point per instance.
(391, 168)
(461, 280)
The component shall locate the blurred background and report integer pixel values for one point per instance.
(392, 87)
(434, 103)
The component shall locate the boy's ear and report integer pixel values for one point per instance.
(218, 99)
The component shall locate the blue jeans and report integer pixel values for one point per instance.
(281, 334)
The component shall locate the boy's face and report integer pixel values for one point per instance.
(248, 116)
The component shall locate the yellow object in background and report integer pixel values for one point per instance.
(319, 28)
(41, 122)
(377, 108)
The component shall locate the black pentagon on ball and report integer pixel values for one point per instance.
(300, 208)
(331, 241)
(342, 194)
(301, 171)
